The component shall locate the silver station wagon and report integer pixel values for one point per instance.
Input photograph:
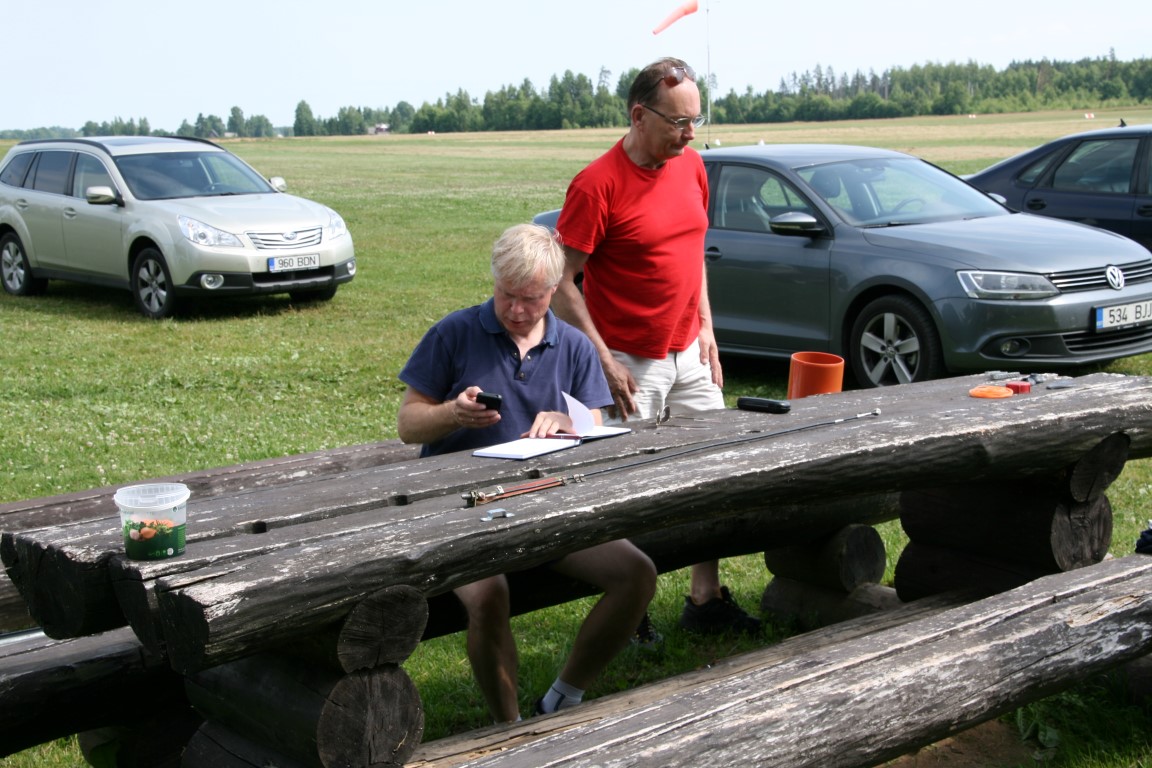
(166, 218)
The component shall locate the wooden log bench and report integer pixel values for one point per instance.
(55, 688)
(931, 667)
(271, 567)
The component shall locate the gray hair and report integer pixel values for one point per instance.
(647, 81)
(525, 252)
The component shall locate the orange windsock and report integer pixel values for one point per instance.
(691, 6)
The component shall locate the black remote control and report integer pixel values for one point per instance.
(763, 404)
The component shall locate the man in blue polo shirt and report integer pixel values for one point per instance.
(513, 345)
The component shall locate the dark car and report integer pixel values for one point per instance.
(1100, 178)
(907, 271)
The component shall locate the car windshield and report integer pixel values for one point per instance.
(169, 175)
(890, 192)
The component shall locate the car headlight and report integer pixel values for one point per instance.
(979, 284)
(202, 234)
(336, 226)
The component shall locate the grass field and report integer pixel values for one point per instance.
(95, 394)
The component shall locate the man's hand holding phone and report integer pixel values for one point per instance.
(472, 412)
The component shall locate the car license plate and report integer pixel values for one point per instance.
(1123, 315)
(288, 263)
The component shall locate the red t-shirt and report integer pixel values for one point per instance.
(644, 232)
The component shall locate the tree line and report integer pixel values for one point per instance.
(821, 94)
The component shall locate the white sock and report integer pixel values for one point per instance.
(561, 695)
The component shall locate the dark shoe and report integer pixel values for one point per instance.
(646, 637)
(718, 615)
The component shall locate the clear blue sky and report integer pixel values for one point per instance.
(68, 62)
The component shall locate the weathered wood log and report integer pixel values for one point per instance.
(67, 597)
(1090, 476)
(930, 678)
(670, 548)
(214, 746)
(808, 606)
(230, 610)
(312, 714)
(384, 628)
(55, 688)
(852, 556)
(460, 748)
(925, 569)
(1017, 521)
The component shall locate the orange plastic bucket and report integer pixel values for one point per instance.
(814, 373)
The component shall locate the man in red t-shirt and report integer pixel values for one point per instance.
(634, 223)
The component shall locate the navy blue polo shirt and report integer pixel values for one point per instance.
(470, 347)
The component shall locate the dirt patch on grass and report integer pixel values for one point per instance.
(994, 744)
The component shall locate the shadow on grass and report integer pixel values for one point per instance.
(76, 300)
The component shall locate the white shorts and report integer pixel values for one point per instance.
(679, 381)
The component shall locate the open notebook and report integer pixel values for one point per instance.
(584, 428)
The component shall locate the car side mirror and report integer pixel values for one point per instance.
(998, 197)
(278, 183)
(796, 224)
(101, 195)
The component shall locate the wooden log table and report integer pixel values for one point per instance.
(268, 564)
(94, 504)
(291, 564)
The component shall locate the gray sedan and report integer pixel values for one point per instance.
(907, 271)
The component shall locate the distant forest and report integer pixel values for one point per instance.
(574, 101)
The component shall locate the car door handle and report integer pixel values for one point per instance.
(1144, 210)
(712, 254)
(1036, 204)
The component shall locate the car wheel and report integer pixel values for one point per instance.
(15, 272)
(152, 285)
(323, 294)
(894, 342)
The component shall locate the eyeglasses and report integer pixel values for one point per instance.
(681, 123)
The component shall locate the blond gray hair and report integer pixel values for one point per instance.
(525, 252)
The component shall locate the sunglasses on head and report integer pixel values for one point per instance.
(675, 75)
(672, 78)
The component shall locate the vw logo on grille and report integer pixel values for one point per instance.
(1115, 277)
(290, 236)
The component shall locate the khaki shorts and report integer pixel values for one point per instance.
(679, 381)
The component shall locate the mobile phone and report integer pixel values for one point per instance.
(763, 404)
(490, 401)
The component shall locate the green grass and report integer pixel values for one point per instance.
(95, 395)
